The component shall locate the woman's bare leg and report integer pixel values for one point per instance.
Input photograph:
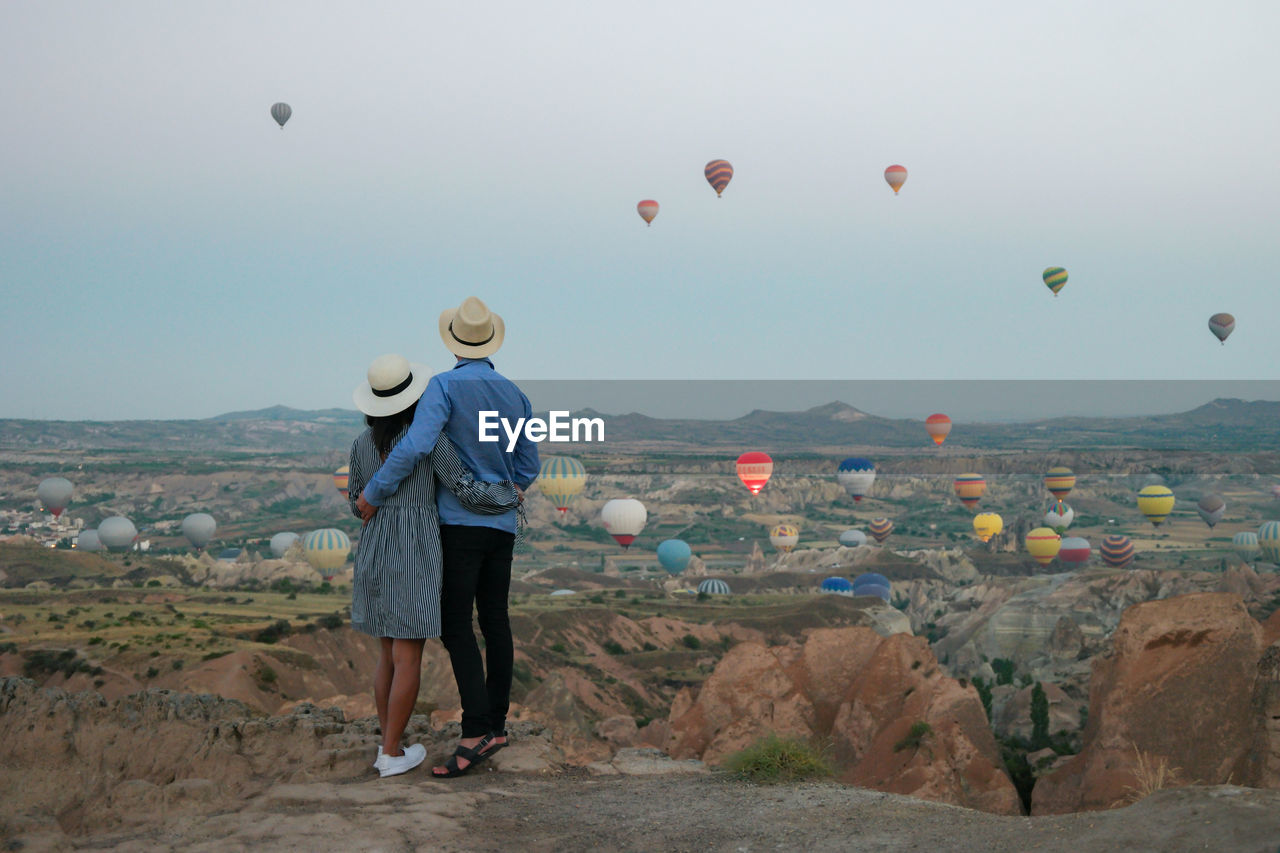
(382, 682)
(406, 656)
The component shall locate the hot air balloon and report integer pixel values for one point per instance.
(1043, 544)
(880, 528)
(624, 518)
(54, 494)
(117, 533)
(562, 479)
(282, 542)
(986, 525)
(872, 584)
(718, 173)
(896, 176)
(938, 426)
(713, 586)
(647, 209)
(88, 541)
(837, 586)
(1155, 502)
(1211, 508)
(1060, 481)
(340, 480)
(326, 550)
(754, 470)
(784, 537)
(969, 489)
(674, 555)
(1246, 544)
(1055, 278)
(199, 528)
(1059, 516)
(1074, 552)
(853, 539)
(1117, 551)
(1269, 541)
(281, 112)
(1222, 325)
(856, 475)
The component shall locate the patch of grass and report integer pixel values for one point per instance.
(613, 647)
(691, 641)
(915, 736)
(774, 759)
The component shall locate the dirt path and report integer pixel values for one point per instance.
(700, 814)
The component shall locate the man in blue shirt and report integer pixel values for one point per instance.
(477, 548)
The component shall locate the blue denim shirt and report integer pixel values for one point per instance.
(452, 403)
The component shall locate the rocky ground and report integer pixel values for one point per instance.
(499, 811)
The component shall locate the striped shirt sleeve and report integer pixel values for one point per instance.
(476, 495)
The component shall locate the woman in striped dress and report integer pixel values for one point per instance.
(396, 590)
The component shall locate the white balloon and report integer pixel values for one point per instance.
(282, 542)
(199, 528)
(117, 533)
(624, 518)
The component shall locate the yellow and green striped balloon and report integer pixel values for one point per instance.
(326, 550)
(1269, 541)
(562, 479)
(1055, 278)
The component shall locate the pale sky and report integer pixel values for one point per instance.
(167, 251)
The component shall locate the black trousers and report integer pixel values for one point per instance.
(477, 573)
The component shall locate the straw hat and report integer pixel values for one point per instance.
(471, 330)
(393, 385)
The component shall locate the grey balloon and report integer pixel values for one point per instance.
(853, 539)
(117, 533)
(281, 112)
(1211, 509)
(54, 494)
(199, 528)
(282, 542)
(88, 541)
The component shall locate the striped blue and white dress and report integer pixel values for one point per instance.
(396, 592)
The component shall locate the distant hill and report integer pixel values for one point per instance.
(1223, 424)
(285, 413)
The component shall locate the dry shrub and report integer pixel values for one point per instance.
(1151, 773)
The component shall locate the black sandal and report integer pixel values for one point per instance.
(473, 755)
(497, 746)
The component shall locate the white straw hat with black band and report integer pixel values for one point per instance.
(393, 385)
(471, 330)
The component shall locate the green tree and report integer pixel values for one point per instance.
(1039, 717)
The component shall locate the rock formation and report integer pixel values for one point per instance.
(1180, 687)
(864, 693)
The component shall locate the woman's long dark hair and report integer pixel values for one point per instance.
(386, 428)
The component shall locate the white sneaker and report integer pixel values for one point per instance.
(377, 762)
(394, 765)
